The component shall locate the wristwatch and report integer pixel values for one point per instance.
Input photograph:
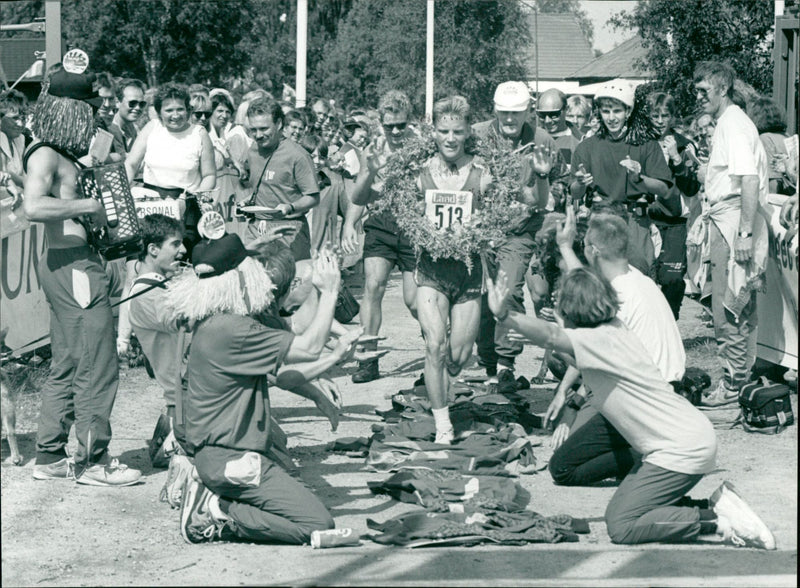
(543, 176)
(744, 235)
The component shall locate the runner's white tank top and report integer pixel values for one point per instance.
(172, 160)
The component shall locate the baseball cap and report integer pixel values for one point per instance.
(77, 86)
(512, 96)
(618, 89)
(214, 257)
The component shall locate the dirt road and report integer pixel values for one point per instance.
(59, 533)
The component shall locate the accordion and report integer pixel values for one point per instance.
(121, 235)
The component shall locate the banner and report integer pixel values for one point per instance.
(777, 306)
(23, 308)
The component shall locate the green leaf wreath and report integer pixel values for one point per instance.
(498, 212)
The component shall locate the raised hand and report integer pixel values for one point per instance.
(326, 276)
(497, 291)
(566, 230)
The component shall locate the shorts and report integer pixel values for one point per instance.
(450, 277)
(300, 243)
(390, 246)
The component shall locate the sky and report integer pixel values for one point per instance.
(599, 11)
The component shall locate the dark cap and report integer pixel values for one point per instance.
(73, 85)
(357, 120)
(214, 257)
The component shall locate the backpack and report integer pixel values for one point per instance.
(766, 407)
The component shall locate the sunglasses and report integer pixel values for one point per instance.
(395, 126)
(136, 104)
(204, 115)
(543, 114)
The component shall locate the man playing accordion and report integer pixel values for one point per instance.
(83, 379)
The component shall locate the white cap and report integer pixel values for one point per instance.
(512, 96)
(618, 89)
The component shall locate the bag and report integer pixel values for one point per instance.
(766, 407)
(692, 385)
(346, 306)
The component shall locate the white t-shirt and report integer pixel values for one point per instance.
(645, 311)
(736, 151)
(172, 160)
(633, 396)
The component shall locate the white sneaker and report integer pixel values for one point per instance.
(737, 522)
(720, 396)
(445, 437)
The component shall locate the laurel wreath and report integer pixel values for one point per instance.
(499, 210)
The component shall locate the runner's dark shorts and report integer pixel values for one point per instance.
(450, 277)
(391, 246)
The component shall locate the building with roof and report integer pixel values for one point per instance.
(625, 61)
(561, 47)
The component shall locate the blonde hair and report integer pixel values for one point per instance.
(244, 291)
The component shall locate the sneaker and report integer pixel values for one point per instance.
(737, 523)
(367, 371)
(62, 469)
(180, 470)
(111, 474)
(720, 396)
(198, 525)
(445, 437)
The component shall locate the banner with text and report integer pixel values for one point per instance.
(777, 305)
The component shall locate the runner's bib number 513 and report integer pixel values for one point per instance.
(446, 207)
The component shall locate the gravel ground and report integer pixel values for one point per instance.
(60, 533)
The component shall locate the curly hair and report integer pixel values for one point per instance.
(171, 91)
(640, 128)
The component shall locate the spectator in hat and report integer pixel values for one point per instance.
(510, 131)
(239, 493)
(84, 373)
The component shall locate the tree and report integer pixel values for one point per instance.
(680, 33)
(380, 45)
(161, 40)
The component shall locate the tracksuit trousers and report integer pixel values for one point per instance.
(84, 373)
(266, 503)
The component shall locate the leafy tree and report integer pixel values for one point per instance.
(680, 33)
(380, 45)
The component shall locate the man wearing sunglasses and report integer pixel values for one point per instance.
(736, 239)
(552, 116)
(511, 108)
(384, 245)
(130, 94)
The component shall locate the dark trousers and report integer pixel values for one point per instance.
(651, 505)
(513, 257)
(84, 373)
(592, 453)
(267, 504)
(671, 264)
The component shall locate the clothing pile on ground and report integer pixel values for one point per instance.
(468, 488)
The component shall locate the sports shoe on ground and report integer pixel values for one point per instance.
(180, 470)
(62, 469)
(367, 371)
(198, 525)
(737, 522)
(720, 396)
(445, 437)
(110, 474)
